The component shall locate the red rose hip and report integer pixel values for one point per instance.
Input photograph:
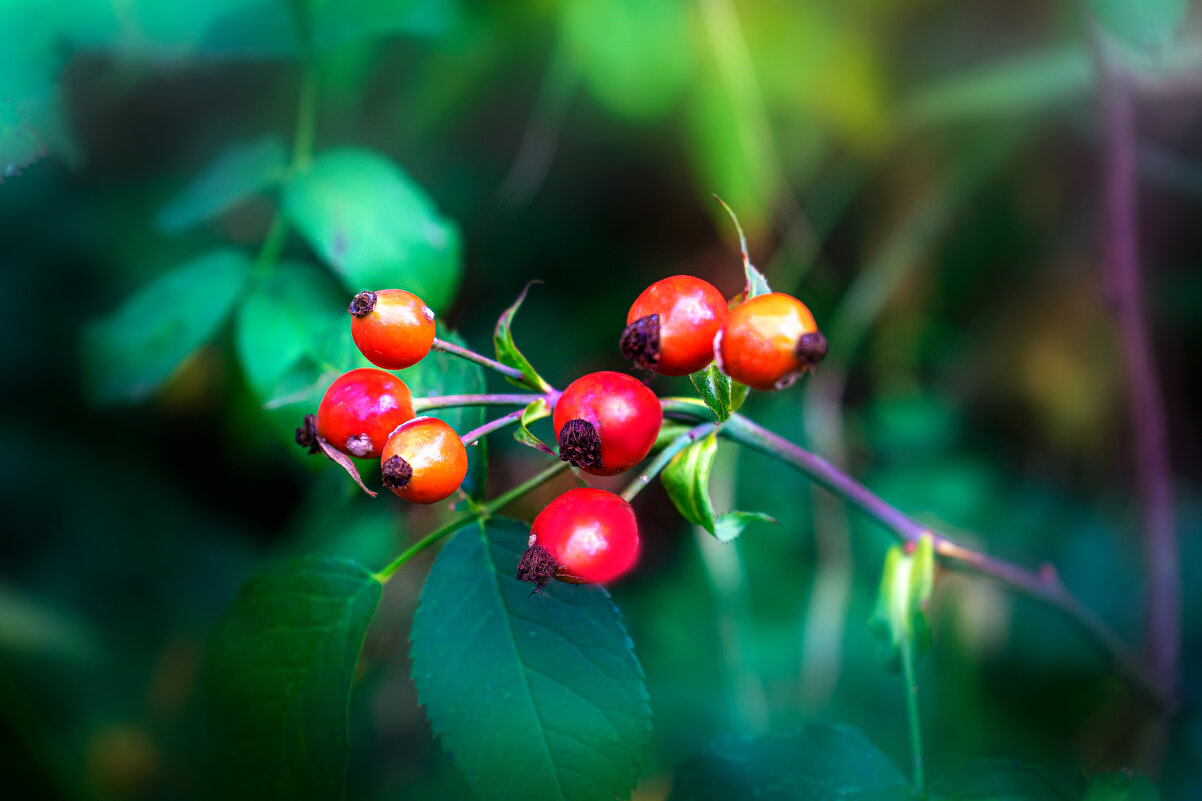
(393, 328)
(671, 326)
(360, 411)
(606, 422)
(424, 461)
(584, 536)
(768, 341)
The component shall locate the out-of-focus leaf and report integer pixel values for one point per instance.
(134, 349)
(996, 780)
(534, 696)
(814, 763)
(28, 626)
(280, 675)
(1143, 23)
(642, 63)
(900, 616)
(536, 410)
(1121, 787)
(731, 524)
(376, 227)
(719, 392)
(508, 353)
(337, 21)
(239, 172)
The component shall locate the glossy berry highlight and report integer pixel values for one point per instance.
(670, 327)
(606, 422)
(360, 411)
(393, 328)
(424, 461)
(584, 536)
(768, 341)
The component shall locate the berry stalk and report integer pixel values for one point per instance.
(472, 356)
(456, 401)
(663, 457)
(491, 426)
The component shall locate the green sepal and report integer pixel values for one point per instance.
(900, 616)
(535, 410)
(508, 353)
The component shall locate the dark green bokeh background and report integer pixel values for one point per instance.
(940, 154)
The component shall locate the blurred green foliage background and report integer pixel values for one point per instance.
(924, 174)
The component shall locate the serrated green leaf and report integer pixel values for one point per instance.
(686, 480)
(133, 350)
(533, 695)
(241, 171)
(814, 763)
(1122, 786)
(996, 780)
(900, 616)
(1148, 24)
(738, 395)
(508, 353)
(731, 524)
(375, 226)
(720, 393)
(536, 410)
(279, 678)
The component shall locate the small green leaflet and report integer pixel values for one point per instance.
(536, 410)
(719, 392)
(817, 762)
(535, 696)
(686, 480)
(900, 616)
(238, 173)
(757, 284)
(133, 350)
(375, 226)
(508, 353)
(279, 678)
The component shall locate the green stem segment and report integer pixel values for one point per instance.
(907, 660)
(663, 457)
(484, 512)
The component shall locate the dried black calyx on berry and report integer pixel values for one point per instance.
(306, 435)
(537, 566)
(579, 444)
(395, 473)
(640, 342)
(363, 303)
(811, 349)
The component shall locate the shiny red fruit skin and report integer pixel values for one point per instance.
(397, 333)
(592, 535)
(361, 409)
(756, 344)
(690, 312)
(626, 414)
(435, 453)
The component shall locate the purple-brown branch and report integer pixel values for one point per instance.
(1120, 235)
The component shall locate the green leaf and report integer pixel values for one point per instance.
(238, 173)
(375, 227)
(814, 763)
(535, 410)
(757, 284)
(687, 478)
(533, 695)
(508, 353)
(1148, 24)
(1121, 786)
(731, 524)
(900, 616)
(996, 780)
(719, 392)
(133, 350)
(280, 674)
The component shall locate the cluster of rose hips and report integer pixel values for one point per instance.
(604, 422)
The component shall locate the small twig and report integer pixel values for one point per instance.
(454, 401)
(663, 457)
(491, 426)
(472, 356)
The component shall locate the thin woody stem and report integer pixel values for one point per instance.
(472, 356)
(491, 426)
(1043, 585)
(456, 401)
(663, 457)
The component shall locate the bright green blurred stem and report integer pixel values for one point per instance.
(1043, 585)
(485, 511)
(907, 660)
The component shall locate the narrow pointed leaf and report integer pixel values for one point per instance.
(731, 524)
(508, 353)
(279, 678)
(533, 695)
(757, 284)
(536, 410)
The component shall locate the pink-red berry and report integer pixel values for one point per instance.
(606, 422)
(670, 327)
(583, 536)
